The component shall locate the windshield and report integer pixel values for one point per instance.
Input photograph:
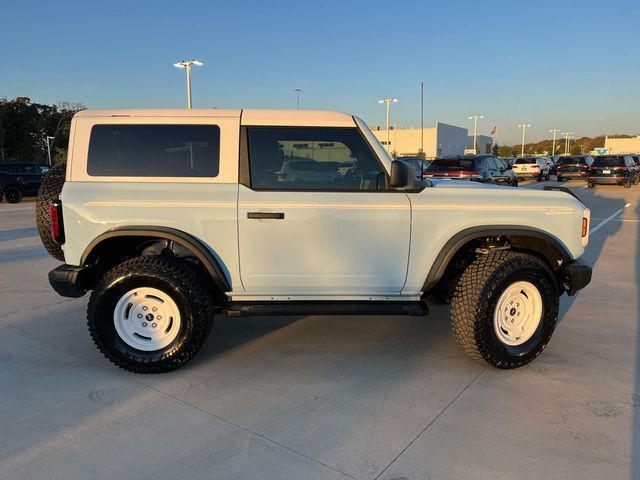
(608, 162)
(381, 152)
(451, 165)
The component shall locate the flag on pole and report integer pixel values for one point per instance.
(494, 131)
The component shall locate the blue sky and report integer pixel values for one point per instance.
(568, 65)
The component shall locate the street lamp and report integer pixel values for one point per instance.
(475, 130)
(553, 148)
(297, 90)
(567, 141)
(388, 101)
(47, 138)
(186, 64)
(524, 127)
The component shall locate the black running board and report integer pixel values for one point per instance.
(278, 308)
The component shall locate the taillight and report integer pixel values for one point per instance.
(622, 168)
(55, 213)
(586, 217)
(469, 172)
(593, 169)
(535, 166)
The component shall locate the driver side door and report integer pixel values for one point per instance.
(315, 217)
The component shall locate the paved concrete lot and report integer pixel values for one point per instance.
(325, 397)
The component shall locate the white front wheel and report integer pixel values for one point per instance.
(518, 313)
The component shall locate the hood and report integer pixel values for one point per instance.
(451, 183)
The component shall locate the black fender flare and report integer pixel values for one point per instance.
(195, 246)
(457, 241)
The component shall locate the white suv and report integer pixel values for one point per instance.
(172, 216)
(533, 167)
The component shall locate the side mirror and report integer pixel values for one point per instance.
(403, 174)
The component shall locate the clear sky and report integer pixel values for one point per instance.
(568, 65)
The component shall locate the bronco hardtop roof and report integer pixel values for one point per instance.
(249, 116)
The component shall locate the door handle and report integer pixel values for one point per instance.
(266, 215)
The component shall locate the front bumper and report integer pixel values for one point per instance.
(70, 281)
(577, 275)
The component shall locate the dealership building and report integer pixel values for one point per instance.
(622, 145)
(441, 140)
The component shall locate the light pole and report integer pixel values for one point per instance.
(47, 138)
(567, 141)
(553, 148)
(475, 131)
(186, 64)
(297, 91)
(388, 101)
(524, 127)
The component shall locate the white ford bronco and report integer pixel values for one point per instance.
(173, 216)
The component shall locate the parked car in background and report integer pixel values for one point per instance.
(636, 160)
(532, 167)
(420, 164)
(573, 166)
(20, 179)
(613, 170)
(479, 168)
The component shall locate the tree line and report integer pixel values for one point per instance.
(579, 146)
(25, 126)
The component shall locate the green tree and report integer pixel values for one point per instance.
(24, 127)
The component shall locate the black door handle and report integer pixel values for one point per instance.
(266, 215)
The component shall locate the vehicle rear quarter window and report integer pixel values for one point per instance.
(154, 151)
(312, 158)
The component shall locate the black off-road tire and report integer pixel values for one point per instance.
(591, 185)
(627, 184)
(474, 303)
(12, 194)
(186, 287)
(49, 191)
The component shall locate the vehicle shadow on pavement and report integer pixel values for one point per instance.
(231, 332)
(605, 207)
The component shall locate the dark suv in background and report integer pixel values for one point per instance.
(480, 168)
(20, 179)
(613, 170)
(573, 166)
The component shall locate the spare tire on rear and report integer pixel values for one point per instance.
(49, 191)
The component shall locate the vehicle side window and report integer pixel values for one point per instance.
(312, 158)
(154, 150)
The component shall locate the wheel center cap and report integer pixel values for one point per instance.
(512, 312)
(149, 316)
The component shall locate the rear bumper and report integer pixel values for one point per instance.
(70, 281)
(609, 180)
(560, 173)
(577, 275)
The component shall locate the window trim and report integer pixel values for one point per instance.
(244, 170)
(153, 178)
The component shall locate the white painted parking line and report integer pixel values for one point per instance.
(608, 219)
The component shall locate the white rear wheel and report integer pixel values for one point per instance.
(147, 319)
(518, 313)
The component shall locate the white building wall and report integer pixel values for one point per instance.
(451, 140)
